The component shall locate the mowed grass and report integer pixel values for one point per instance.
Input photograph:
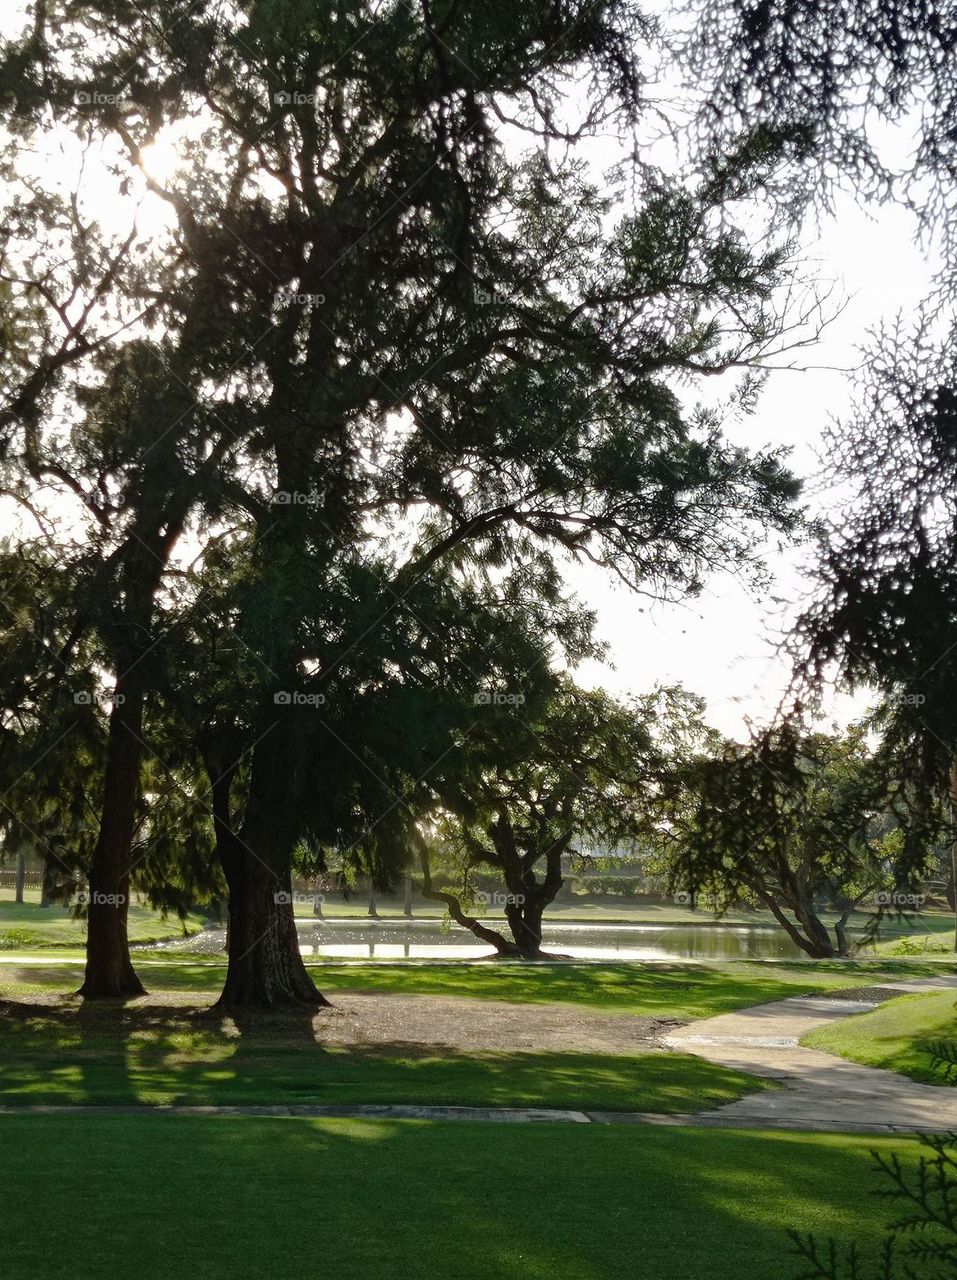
(652, 990)
(157, 1055)
(648, 989)
(159, 1197)
(27, 925)
(899, 1036)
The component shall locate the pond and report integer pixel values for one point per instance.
(427, 940)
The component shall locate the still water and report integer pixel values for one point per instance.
(426, 939)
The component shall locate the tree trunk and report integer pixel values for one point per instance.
(816, 947)
(109, 970)
(491, 937)
(529, 898)
(407, 904)
(372, 907)
(840, 932)
(48, 884)
(265, 968)
(21, 877)
(953, 846)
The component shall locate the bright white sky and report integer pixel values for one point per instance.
(724, 644)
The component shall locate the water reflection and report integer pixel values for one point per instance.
(427, 940)
(385, 940)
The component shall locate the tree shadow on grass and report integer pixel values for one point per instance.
(352, 1199)
(154, 1053)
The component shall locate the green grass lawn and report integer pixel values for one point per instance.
(159, 1197)
(651, 989)
(898, 1035)
(656, 990)
(280, 1075)
(27, 925)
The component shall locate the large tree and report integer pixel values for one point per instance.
(379, 338)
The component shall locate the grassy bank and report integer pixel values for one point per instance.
(898, 1036)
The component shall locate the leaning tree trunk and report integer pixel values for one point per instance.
(109, 969)
(503, 947)
(817, 945)
(265, 968)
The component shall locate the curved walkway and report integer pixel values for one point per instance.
(819, 1091)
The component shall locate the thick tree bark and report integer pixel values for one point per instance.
(109, 969)
(265, 968)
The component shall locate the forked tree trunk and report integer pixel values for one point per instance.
(529, 897)
(109, 969)
(817, 943)
(265, 969)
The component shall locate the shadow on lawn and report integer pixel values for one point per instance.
(163, 1053)
(257, 1197)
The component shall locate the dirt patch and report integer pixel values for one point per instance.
(466, 1024)
(417, 1024)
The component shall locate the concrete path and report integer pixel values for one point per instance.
(819, 1091)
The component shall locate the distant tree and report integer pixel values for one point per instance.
(578, 766)
(790, 821)
(883, 608)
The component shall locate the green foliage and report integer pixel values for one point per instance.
(923, 1240)
(791, 820)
